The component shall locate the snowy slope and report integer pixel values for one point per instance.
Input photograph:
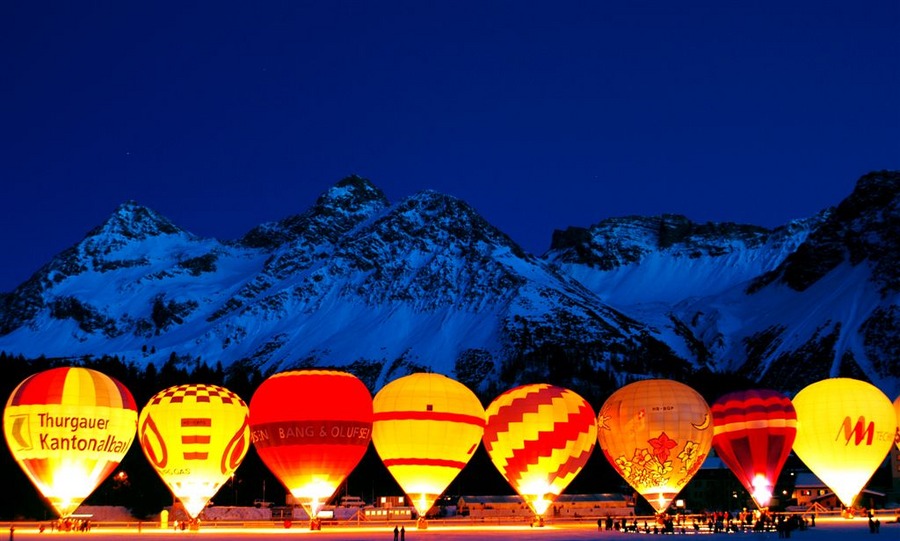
(426, 283)
(812, 299)
(383, 289)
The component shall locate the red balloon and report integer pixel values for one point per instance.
(311, 428)
(753, 435)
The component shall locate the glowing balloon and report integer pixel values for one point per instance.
(427, 427)
(539, 437)
(68, 428)
(656, 433)
(194, 436)
(753, 435)
(311, 428)
(897, 411)
(845, 428)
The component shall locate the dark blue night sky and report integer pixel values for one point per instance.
(223, 115)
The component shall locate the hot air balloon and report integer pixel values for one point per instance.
(539, 437)
(845, 428)
(68, 428)
(897, 411)
(656, 433)
(194, 436)
(427, 427)
(311, 428)
(753, 434)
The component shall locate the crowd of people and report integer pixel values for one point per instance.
(719, 521)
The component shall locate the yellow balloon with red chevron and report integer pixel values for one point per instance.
(194, 436)
(539, 437)
(426, 429)
(68, 428)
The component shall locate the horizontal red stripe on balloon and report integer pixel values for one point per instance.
(429, 416)
(310, 432)
(388, 462)
(195, 439)
(195, 456)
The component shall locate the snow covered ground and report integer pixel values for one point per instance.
(826, 530)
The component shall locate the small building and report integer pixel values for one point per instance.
(390, 508)
(565, 506)
(591, 505)
(810, 492)
(388, 513)
(493, 507)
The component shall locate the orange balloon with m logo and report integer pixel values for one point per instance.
(845, 428)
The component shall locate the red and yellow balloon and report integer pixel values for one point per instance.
(845, 428)
(194, 436)
(311, 428)
(68, 428)
(426, 429)
(753, 434)
(539, 437)
(656, 433)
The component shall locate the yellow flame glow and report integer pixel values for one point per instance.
(762, 490)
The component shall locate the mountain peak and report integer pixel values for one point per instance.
(133, 221)
(352, 194)
(339, 209)
(863, 227)
(614, 242)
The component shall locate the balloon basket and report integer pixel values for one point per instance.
(421, 523)
(538, 522)
(315, 525)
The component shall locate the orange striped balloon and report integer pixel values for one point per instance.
(194, 436)
(427, 427)
(68, 428)
(539, 437)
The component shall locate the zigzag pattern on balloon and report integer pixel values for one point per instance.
(519, 404)
(539, 437)
(560, 436)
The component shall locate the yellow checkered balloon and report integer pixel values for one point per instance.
(194, 436)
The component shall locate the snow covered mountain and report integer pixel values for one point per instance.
(384, 289)
(354, 281)
(812, 299)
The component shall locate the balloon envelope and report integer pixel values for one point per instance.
(656, 433)
(68, 428)
(427, 427)
(897, 411)
(753, 435)
(845, 428)
(194, 436)
(311, 428)
(539, 437)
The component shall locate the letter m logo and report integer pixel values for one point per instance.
(856, 432)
